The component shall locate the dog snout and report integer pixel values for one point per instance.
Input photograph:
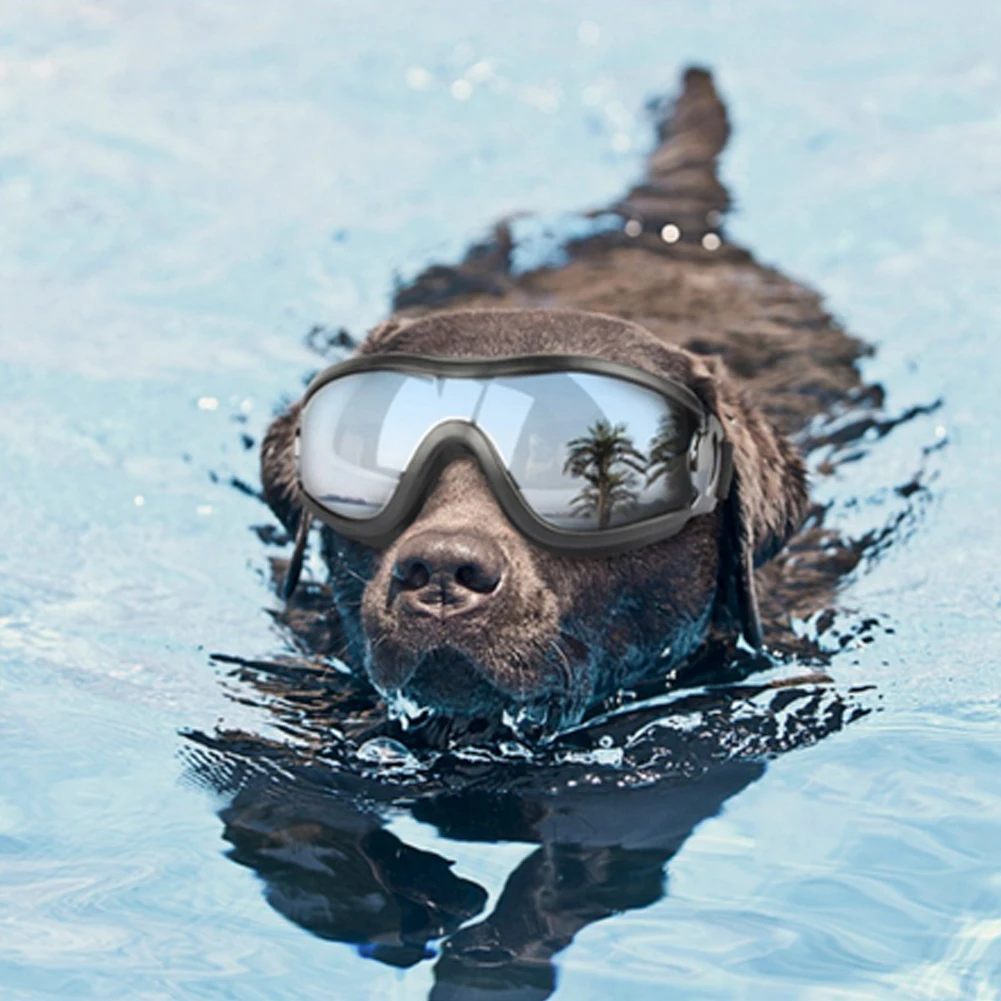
(447, 573)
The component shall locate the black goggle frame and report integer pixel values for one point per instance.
(710, 458)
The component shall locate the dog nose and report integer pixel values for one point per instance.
(447, 572)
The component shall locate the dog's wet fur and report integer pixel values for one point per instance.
(496, 625)
(607, 803)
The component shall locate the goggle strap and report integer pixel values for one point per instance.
(726, 469)
(295, 564)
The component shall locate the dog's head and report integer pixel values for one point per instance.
(466, 616)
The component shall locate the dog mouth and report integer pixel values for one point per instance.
(548, 689)
(448, 680)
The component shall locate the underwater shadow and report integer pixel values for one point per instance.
(607, 806)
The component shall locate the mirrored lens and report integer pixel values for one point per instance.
(595, 452)
(587, 451)
(360, 431)
(350, 459)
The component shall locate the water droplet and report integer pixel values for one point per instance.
(462, 90)
(386, 752)
(139, 500)
(475, 753)
(711, 242)
(405, 710)
(633, 228)
(513, 748)
(670, 233)
(208, 403)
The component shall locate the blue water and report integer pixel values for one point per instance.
(185, 189)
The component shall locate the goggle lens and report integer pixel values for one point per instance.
(586, 451)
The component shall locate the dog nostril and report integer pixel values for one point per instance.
(459, 567)
(413, 574)
(476, 578)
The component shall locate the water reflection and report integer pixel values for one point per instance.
(607, 806)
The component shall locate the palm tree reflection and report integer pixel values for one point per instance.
(666, 446)
(607, 460)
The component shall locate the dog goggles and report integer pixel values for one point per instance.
(586, 457)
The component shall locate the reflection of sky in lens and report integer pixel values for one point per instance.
(423, 402)
(339, 425)
(567, 405)
(625, 403)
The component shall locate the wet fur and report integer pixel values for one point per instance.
(307, 814)
(755, 347)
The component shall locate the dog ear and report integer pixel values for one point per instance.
(766, 504)
(278, 473)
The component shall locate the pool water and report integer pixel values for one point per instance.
(185, 191)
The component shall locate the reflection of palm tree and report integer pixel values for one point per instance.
(666, 445)
(605, 459)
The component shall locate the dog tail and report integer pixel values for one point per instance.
(681, 197)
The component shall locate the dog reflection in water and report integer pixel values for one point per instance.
(315, 832)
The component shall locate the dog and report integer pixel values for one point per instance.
(609, 803)
(558, 634)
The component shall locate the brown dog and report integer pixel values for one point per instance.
(550, 635)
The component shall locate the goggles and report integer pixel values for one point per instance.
(585, 457)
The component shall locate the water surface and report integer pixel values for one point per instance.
(186, 190)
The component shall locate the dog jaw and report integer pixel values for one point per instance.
(506, 653)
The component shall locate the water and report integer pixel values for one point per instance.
(184, 192)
